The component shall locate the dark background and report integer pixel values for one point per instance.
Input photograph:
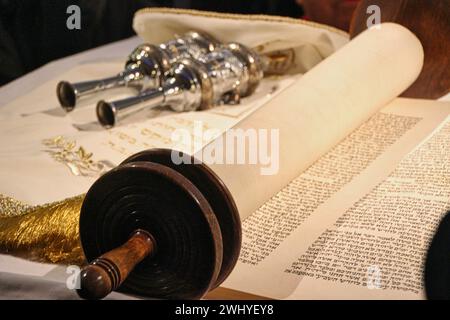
(34, 32)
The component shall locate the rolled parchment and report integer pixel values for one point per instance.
(317, 111)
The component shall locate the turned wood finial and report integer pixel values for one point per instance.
(107, 272)
(184, 212)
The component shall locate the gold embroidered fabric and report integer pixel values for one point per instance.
(47, 233)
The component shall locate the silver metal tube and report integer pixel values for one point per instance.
(144, 69)
(182, 92)
(69, 93)
(229, 72)
(108, 113)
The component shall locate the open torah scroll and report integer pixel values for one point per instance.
(367, 179)
(357, 191)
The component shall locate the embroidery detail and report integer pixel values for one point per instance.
(77, 159)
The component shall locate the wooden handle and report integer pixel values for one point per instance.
(107, 272)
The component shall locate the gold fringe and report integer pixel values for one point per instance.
(47, 233)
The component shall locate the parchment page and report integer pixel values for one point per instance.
(355, 224)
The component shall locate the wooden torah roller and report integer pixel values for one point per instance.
(153, 228)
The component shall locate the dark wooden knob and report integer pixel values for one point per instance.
(186, 208)
(107, 272)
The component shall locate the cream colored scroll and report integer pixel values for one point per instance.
(323, 107)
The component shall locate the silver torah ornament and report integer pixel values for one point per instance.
(144, 69)
(221, 76)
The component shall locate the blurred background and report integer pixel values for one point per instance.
(34, 32)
